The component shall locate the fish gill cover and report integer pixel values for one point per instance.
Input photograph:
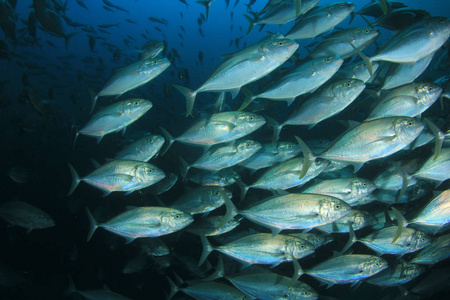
(224, 149)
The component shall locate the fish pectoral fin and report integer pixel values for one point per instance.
(235, 92)
(229, 125)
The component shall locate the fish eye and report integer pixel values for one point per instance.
(217, 193)
(289, 146)
(247, 144)
(342, 5)
(328, 59)
(149, 171)
(366, 30)
(280, 43)
(305, 293)
(364, 184)
(337, 206)
(302, 246)
(430, 88)
(135, 103)
(177, 216)
(251, 118)
(348, 84)
(377, 264)
(410, 123)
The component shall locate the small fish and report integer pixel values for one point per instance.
(22, 214)
(131, 77)
(119, 175)
(115, 117)
(398, 274)
(143, 222)
(143, 149)
(435, 252)
(201, 200)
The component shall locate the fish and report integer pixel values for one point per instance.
(119, 175)
(272, 286)
(243, 67)
(320, 20)
(295, 211)
(270, 154)
(350, 268)
(382, 241)
(374, 139)
(400, 273)
(338, 42)
(413, 43)
(143, 149)
(201, 199)
(207, 290)
(358, 218)
(409, 100)
(223, 157)
(435, 168)
(25, 215)
(329, 101)
(131, 77)
(141, 222)
(437, 251)
(301, 80)
(209, 226)
(434, 214)
(349, 190)
(115, 117)
(218, 128)
(261, 248)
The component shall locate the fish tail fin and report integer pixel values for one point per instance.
(206, 4)
(75, 139)
(67, 38)
(249, 97)
(352, 17)
(351, 238)
(298, 271)
(298, 7)
(405, 180)
(190, 97)
(439, 137)
(251, 23)
(93, 224)
(230, 213)
(244, 188)
(184, 168)
(367, 21)
(94, 98)
(218, 273)
(169, 139)
(76, 180)
(207, 249)
(364, 57)
(276, 128)
(401, 224)
(71, 288)
(308, 157)
(173, 288)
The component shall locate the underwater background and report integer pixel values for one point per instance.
(38, 139)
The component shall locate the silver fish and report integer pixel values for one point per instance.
(219, 128)
(338, 43)
(437, 251)
(224, 157)
(132, 76)
(115, 118)
(347, 269)
(270, 154)
(119, 175)
(374, 139)
(261, 248)
(398, 274)
(435, 169)
(201, 199)
(296, 211)
(358, 218)
(409, 100)
(301, 80)
(243, 67)
(143, 222)
(321, 20)
(349, 190)
(143, 149)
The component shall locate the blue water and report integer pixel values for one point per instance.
(43, 144)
